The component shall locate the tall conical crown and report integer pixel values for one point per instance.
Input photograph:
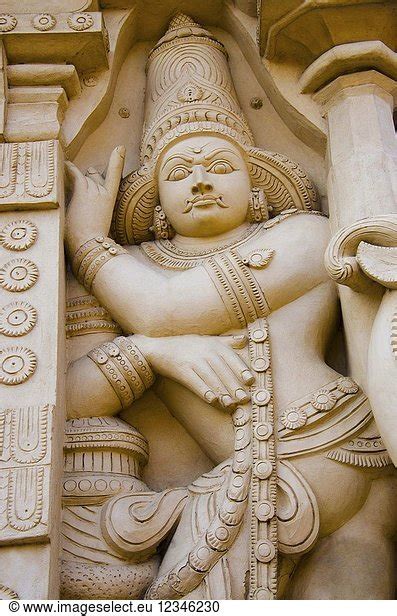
(189, 89)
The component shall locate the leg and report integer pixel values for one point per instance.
(356, 561)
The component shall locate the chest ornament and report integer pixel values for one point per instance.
(259, 259)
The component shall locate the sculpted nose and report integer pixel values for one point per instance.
(201, 181)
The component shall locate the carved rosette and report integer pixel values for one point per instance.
(18, 275)
(17, 318)
(7, 22)
(17, 364)
(18, 235)
(80, 21)
(44, 22)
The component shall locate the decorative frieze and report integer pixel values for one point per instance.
(46, 37)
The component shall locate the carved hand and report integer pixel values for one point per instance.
(207, 365)
(89, 213)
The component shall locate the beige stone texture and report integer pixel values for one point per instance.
(198, 401)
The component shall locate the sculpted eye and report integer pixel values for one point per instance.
(221, 166)
(178, 173)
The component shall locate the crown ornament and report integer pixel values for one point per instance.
(189, 90)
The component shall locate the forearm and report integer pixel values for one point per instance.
(143, 301)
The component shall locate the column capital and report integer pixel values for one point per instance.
(356, 84)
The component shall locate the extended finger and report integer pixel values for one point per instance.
(115, 170)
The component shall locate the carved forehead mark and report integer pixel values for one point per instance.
(198, 149)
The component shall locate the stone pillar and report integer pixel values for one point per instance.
(41, 57)
(362, 182)
(32, 365)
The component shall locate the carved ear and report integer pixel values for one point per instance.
(285, 184)
(135, 203)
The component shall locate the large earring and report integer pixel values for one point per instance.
(257, 206)
(161, 227)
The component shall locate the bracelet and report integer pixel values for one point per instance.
(125, 368)
(91, 256)
(140, 363)
(129, 371)
(113, 375)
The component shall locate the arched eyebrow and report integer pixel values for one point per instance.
(214, 153)
(184, 157)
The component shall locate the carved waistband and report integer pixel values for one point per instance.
(323, 418)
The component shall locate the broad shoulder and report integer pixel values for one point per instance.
(299, 230)
(298, 243)
(310, 224)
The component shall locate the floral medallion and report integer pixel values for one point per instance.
(80, 21)
(7, 22)
(293, 418)
(17, 318)
(347, 386)
(44, 22)
(18, 275)
(18, 235)
(323, 400)
(17, 364)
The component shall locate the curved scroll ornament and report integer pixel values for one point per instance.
(340, 256)
(134, 525)
(285, 185)
(297, 511)
(379, 263)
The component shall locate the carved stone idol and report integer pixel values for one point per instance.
(230, 352)
(230, 306)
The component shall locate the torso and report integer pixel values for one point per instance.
(301, 329)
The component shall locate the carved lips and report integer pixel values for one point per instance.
(203, 201)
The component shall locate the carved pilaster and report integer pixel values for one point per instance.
(31, 358)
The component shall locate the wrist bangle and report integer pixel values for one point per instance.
(131, 375)
(91, 256)
(119, 384)
(125, 368)
(138, 359)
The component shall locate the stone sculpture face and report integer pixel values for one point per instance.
(204, 186)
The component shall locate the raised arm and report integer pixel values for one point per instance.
(140, 298)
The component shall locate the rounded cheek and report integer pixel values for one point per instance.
(234, 188)
(172, 197)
